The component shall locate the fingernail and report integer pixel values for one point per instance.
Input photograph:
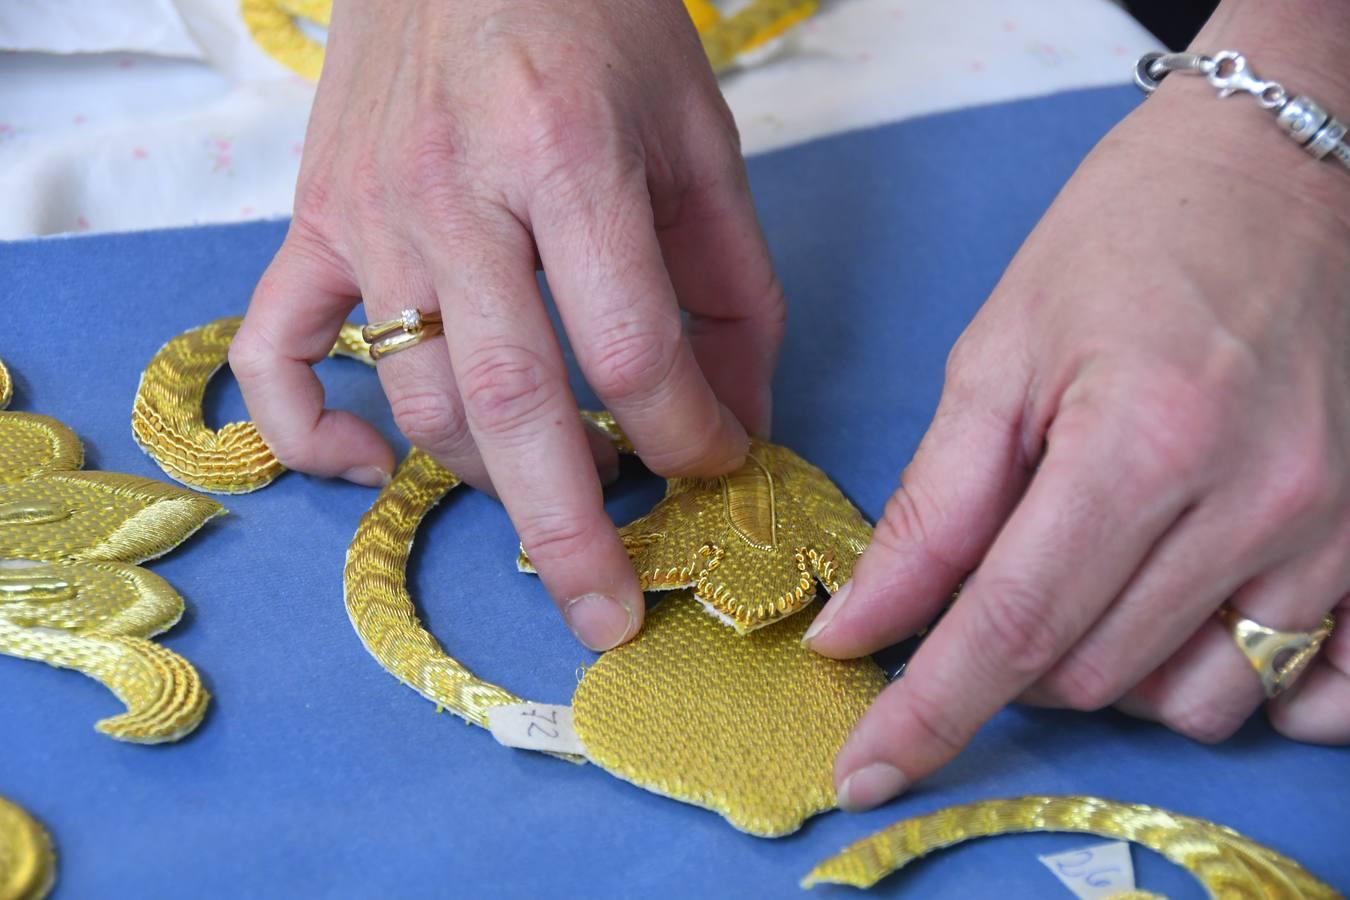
(599, 622)
(870, 786)
(826, 615)
(370, 476)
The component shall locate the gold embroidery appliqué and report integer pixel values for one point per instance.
(69, 594)
(381, 609)
(752, 544)
(27, 861)
(1225, 862)
(167, 419)
(746, 727)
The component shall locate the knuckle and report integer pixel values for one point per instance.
(1082, 685)
(506, 388)
(1202, 721)
(553, 535)
(934, 723)
(250, 356)
(427, 168)
(1304, 484)
(634, 359)
(432, 421)
(1012, 631)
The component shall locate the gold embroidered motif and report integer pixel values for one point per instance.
(1225, 862)
(745, 727)
(27, 861)
(168, 424)
(380, 608)
(6, 386)
(752, 544)
(69, 595)
(274, 25)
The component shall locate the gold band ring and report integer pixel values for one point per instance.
(1279, 657)
(411, 327)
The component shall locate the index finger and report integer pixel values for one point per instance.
(1070, 546)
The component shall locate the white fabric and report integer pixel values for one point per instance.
(125, 141)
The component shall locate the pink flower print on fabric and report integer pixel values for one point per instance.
(220, 150)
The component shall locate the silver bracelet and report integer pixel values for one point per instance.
(1302, 118)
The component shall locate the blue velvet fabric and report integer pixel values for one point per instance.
(316, 774)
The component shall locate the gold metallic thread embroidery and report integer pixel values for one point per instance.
(381, 609)
(167, 419)
(745, 727)
(69, 594)
(6, 386)
(27, 860)
(752, 544)
(274, 25)
(1228, 864)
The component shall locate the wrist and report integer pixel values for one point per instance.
(1294, 42)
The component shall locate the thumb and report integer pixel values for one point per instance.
(954, 496)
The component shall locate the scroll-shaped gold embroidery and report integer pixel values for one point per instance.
(69, 595)
(273, 24)
(1228, 864)
(746, 727)
(382, 611)
(27, 861)
(752, 544)
(167, 420)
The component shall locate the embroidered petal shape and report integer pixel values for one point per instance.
(163, 693)
(1225, 862)
(168, 424)
(92, 617)
(27, 862)
(31, 445)
(97, 515)
(107, 598)
(748, 728)
(752, 544)
(6, 386)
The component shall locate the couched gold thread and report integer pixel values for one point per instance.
(6, 386)
(1228, 864)
(752, 544)
(746, 727)
(69, 594)
(27, 860)
(381, 609)
(168, 423)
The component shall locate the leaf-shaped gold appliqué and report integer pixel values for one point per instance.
(69, 593)
(1228, 864)
(752, 544)
(97, 515)
(168, 423)
(27, 861)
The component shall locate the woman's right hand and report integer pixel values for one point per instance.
(451, 147)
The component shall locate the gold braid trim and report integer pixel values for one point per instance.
(167, 420)
(1228, 864)
(27, 861)
(381, 610)
(274, 25)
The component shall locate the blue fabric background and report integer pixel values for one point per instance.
(316, 774)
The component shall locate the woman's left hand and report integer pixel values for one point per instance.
(1148, 420)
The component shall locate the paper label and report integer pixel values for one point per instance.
(1096, 872)
(535, 726)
